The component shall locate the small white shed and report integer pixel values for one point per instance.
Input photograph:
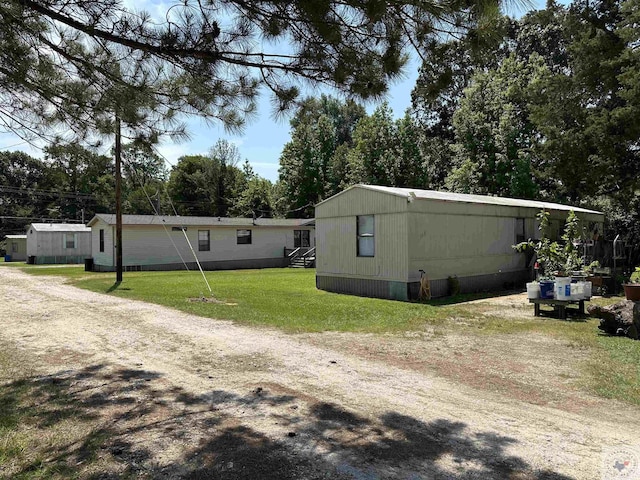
(52, 243)
(16, 247)
(373, 241)
(152, 242)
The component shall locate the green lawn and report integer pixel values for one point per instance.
(282, 298)
(287, 299)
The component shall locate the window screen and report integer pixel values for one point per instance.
(204, 244)
(366, 239)
(69, 240)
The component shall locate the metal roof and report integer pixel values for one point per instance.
(418, 194)
(110, 219)
(17, 237)
(59, 227)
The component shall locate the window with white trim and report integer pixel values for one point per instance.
(366, 235)
(69, 241)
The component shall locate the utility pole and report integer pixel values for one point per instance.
(118, 155)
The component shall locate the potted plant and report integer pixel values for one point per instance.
(571, 258)
(547, 254)
(632, 288)
(555, 261)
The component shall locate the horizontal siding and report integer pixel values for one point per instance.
(152, 245)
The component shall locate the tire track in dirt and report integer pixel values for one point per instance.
(401, 423)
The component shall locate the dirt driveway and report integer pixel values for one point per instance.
(185, 397)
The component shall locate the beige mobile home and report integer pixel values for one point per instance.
(16, 246)
(373, 241)
(151, 242)
(49, 243)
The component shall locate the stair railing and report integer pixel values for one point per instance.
(307, 254)
(293, 255)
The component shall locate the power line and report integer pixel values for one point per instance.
(46, 193)
(43, 219)
(15, 145)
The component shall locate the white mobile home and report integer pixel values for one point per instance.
(16, 247)
(58, 243)
(374, 241)
(152, 242)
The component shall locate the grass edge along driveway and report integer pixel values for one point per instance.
(287, 299)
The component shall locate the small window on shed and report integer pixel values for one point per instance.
(14, 247)
(366, 238)
(244, 237)
(69, 240)
(102, 239)
(520, 237)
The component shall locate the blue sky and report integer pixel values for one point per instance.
(262, 140)
(263, 137)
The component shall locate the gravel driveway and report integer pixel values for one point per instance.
(264, 404)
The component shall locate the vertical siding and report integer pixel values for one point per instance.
(50, 244)
(336, 251)
(463, 245)
(360, 201)
(32, 241)
(336, 232)
(106, 258)
(21, 248)
(444, 238)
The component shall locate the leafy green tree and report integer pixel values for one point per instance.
(229, 178)
(313, 164)
(387, 152)
(374, 157)
(25, 192)
(495, 139)
(303, 166)
(446, 71)
(255, 200)
(191, 186)
(83, 179)
(145, 176)
(207, 185)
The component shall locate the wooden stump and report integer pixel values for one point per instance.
(621, 318)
